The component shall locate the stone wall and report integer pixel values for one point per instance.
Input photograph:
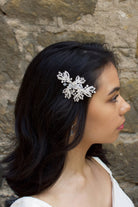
(26, 27)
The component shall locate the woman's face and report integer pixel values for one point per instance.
(106, 109)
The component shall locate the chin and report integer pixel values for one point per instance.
(113, 139)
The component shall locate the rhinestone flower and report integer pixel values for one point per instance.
(75, 88)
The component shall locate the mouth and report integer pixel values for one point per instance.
(121, 126)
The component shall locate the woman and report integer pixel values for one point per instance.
(68, 105)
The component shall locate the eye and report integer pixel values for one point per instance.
(114, 99)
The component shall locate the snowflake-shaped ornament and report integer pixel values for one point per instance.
(75, 88)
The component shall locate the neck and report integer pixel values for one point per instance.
(75, 173)
(76, 162)
(76, 170)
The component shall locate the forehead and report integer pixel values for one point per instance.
(108, 79)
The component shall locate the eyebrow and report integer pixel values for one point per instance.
(113, 90)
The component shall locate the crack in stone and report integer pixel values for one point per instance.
(4, 13)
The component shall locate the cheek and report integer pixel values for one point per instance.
(100, 122)
(96, 120)
(97, 116)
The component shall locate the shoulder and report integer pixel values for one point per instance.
(24, 202)
(102, 164)
(29, 201)
(119, 197)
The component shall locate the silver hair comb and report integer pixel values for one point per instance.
(75, 88)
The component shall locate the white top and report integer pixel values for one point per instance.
(119, 198)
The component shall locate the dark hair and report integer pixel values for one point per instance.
(43, 116)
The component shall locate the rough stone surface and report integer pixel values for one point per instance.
(26, 27)
(124, 163)
(137, 47)
(45, 39)
(69, 10)
(129, 91)
(9, 53)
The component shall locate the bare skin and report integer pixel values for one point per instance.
(83, 187)
(84, 182)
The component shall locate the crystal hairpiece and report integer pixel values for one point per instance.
(75, 88)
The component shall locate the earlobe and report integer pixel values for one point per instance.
(73, 128)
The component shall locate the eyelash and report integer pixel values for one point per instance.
(114, 99)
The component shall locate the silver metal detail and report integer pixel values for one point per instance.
(75, 88)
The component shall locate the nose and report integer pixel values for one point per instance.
(125, 107)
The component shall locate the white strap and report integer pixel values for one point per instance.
(102, 164)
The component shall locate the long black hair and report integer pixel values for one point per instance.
(44, 117)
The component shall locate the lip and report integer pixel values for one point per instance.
(121, 126)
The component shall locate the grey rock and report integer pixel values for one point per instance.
(47, 38)
(129, 91)
(69, 10)
(9, 57)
